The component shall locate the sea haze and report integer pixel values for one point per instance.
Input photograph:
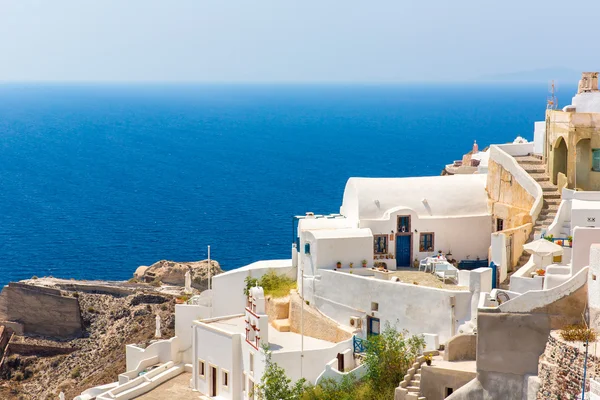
(97, 180)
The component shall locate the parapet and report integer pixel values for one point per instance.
(588, 82)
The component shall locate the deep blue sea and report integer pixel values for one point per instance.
(96, 180)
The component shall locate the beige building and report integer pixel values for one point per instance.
(572, 145)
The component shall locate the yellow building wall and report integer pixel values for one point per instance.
(508, 200)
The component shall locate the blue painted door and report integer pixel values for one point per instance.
(374, 327)
(403, 251)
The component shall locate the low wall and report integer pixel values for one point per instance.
(28, 349)
(315, 324)
(165, 350)
(435, 381)
(314, 361)
(415, 308)
(41, 311)
(561, 369)
(461, 348)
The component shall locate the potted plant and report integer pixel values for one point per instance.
(540, 272)
(428, 359)
(549, 238)
(416, 263)
(339, 264)
(351, 265)
(364, 263)
(570, 239)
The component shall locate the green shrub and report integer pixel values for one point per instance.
(75, 373)
(156, 283)
(276, 285)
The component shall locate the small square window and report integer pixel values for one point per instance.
(593, 277)
(596, 160)
(380, 244)
(225, 378)
(499, 224)
(201, 366)
(374, 306)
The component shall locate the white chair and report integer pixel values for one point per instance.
(424, 263)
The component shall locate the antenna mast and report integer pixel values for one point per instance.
(552, 102)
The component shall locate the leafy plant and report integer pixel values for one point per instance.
(549, 238)
(274, 384)
(250, 283)
(540, 272)
(272, 283)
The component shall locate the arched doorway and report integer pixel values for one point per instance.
(583, 163)
(559, 159)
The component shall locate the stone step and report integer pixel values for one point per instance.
(413, 389)
(417, 365)
(548, 189)
(415, 383)
(417, 377)
(412, 396)
(552, 195)
(527, 160)
(533, 168)
(539, 178)
(282, 325)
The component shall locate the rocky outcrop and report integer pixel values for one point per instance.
(173, 273)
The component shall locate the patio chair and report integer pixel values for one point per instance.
(446, 271)
(423, 263)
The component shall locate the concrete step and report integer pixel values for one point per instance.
(282, 325)
(413, 389)
(417, 377)
(415, 383)
(412, 396)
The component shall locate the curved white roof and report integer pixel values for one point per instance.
(446, 196)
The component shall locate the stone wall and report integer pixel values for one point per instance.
(509, 200)
(41, 311)
(561, 368)
(315, 324)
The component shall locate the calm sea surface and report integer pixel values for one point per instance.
(97, 180)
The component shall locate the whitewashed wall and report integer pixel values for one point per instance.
(314, 360)
(222, 350)
(228, 288)
(462, 235)
(583, 239)
(416, 308)
(185, 315)
(325, 253)
(166, 350)
(539, 137)
(587, 102)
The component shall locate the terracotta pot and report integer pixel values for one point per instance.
(338, 265)
(364, 265)
(428, 362)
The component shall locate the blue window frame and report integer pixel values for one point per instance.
(426, 242)
(306, 248)
(596, 160)
(380, 245)
(404, 223)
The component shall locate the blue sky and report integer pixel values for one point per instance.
(292, 41)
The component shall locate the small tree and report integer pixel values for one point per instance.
(250, 283)
(275, 385)
(388, 357)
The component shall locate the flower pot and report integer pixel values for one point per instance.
(338, 265)
(570, 243)
(364, 265)
(428, 362)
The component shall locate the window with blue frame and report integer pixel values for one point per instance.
(380, 244)
(426, 242)
(404, 223)
(596, 160)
